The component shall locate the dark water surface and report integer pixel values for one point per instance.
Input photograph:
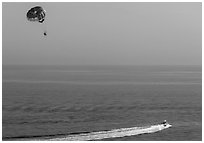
(53, 100)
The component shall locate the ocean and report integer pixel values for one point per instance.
(41, 101)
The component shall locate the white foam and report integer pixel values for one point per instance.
(113, 133)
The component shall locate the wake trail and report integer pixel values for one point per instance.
(99, 135)
(122, 132)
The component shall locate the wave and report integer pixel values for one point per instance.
(101, 82)
(90, 108)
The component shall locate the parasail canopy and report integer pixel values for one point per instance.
(36, 13)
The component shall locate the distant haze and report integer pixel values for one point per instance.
(104, 34)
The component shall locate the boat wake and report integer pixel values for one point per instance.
(99, 135)
(122, 132)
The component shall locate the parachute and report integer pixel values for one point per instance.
(36, 14)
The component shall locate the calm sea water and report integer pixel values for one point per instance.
(53, 100)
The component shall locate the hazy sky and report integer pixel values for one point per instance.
(104, 33)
